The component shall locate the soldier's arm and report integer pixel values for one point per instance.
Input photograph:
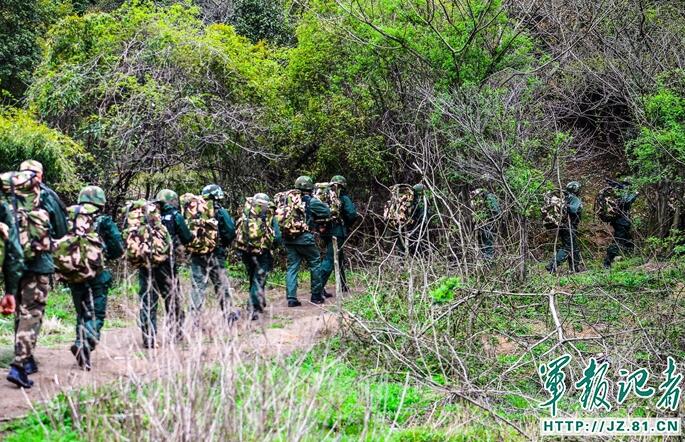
(13, 266)
(349, 210)
(58, 217)
(114, 244)
(575, 206)
(278, 238)
(628, 200)
(182, 229)
(493, 204)
(319, 209)
(226, 227)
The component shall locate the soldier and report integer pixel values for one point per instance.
(34, 285)
(568, 231)
(90, 296)
(622, 225)
(162, 280)
(212, 265)
(12, 263)
(339, 229)
(303, 246)
(420, 215)
(486, 210)
(256, 237)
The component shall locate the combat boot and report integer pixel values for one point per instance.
(294, 303)
(317, 299)
(30, 366)
(82, 355)
(327, 294)
(18, 377)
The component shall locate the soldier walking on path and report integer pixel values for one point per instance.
(617, 214)
(567, 230)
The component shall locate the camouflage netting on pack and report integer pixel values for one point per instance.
(554, 211)
(200, 217)
(22, 192)
(397, 211)
(4, 236)
(291, 213)
(329, 193)
(607, 204)
(479, 205)
(79, 254)
(254, 230)
(147, 240)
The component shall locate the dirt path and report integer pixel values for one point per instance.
(280, 331)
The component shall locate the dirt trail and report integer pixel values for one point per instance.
(280, 331)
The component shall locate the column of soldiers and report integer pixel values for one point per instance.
(28, 272)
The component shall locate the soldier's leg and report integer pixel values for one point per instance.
(100, 290)
(87, 333)
(294, 260)
(166, 279)
(199, 277)
(219, 277)
(342, 264)
(148, 306)
(311, 254)
(574, 251)
(327, 263)
(487, 241)
(250, 262)
(561, 253)
(78, 294)
(29, 317)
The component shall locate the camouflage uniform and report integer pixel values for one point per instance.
(162, 280)
(90, 296)
(486, 220)
(35, 282)
(568, 233)
(339, 229)
(212, 266)
(11, 255)
(414, 239)
(622, 225)
(304, 247)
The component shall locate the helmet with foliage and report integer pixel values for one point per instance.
(167, 196)
(339, 180)
(304, 183)
(93, 195)
(418, 188)
(573, 187)
(213, 191)
(262, 198)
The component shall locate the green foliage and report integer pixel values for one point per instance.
(262, 20)
(445, 291)
(22, 137)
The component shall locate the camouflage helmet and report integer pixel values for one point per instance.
(339, 180)
(573, 187)
(93, 195)
(262, 198)
(167, 196)
(213, 191)
(418, 188)
(304, 183)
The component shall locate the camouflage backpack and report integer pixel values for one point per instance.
(254, 230)
(79, 254)
(147, 240)
(4, 237)
(21, 190)
(291, 213)
(397, 211)
(329, 193)
(554, 209)
(200, 216)
(608, 204)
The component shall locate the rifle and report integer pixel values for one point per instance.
(617, 184)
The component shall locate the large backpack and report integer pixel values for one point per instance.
(79, 254)
(202, 223)
(608, 204)
(21, 190)
(147, 239)
(329, 193)
(554, 209)
(254, 229)
(397, 211)
(291, 213)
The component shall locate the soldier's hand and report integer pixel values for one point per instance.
(8, 304)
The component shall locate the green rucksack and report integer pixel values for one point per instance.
(291, 213)
(147, 239)
(254, 229)
(398, 209)
(608, 204)
(202, 223)
(79, 255)
(554, 209)
(21, 191)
